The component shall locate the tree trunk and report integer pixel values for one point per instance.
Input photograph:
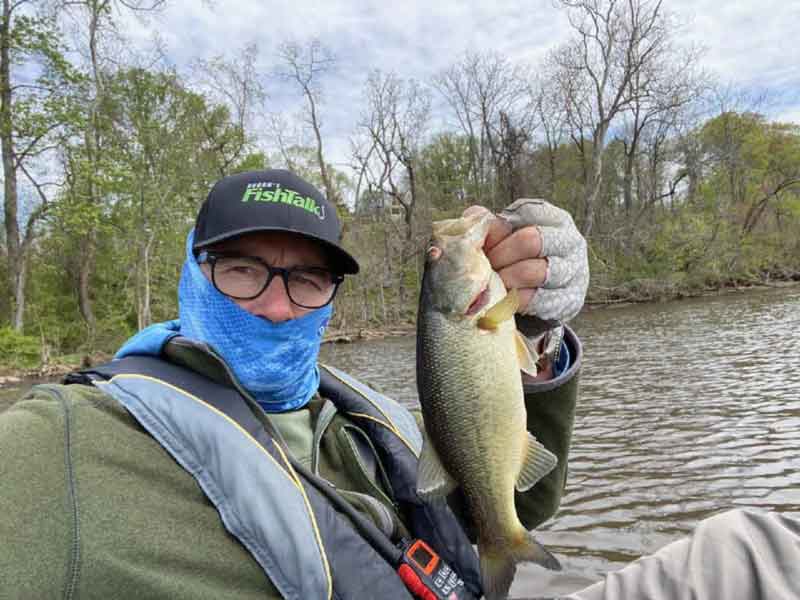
(551, 162)
(16, 277)
(692, 177)
(143, 314)
(593, 190)
(627, 181)
(19, 294)
(384, 317)
(88, 250)
(366, 305)
(330, 191)
(391, 271)
(92, 141)
(146, 316)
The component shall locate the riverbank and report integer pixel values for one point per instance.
(649, 291)
(360, 334)
(62, 365)
(639, 292)
(67, 364)
(56, 367)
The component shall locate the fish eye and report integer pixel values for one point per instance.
(434, 252)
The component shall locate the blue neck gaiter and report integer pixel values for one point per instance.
(275, 362)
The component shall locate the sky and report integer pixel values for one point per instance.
(750, 45)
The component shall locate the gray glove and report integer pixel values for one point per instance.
(562, 294)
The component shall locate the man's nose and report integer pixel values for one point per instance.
(273, 303)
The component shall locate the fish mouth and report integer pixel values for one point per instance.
(480, 301)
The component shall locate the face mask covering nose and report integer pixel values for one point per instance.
(275, 362)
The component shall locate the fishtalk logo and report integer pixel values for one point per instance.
(271, 192)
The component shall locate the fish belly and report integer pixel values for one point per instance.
(472, 402)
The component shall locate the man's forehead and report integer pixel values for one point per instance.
(262, 243)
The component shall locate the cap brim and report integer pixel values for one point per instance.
(340, 260)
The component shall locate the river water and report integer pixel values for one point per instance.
(686, 409)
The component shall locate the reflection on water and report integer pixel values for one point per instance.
(686, 409)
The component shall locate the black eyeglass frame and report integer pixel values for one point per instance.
(211, 258)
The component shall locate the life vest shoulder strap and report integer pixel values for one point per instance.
(284, 522)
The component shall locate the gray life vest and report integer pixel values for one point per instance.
(306, 548)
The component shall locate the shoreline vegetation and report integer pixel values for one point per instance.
(626, 295)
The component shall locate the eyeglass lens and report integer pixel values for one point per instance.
(245, 278)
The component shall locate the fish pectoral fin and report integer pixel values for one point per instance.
(538, 462)
(501, 311)
(433, 480)
(526, 355)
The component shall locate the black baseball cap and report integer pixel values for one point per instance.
(271, 200)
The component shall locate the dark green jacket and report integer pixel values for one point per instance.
(92, 507)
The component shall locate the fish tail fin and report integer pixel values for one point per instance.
(497, 572)
(530, 550)
(498, 565)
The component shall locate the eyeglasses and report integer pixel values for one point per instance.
(246, 277)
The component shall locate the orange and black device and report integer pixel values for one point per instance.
(428, 577)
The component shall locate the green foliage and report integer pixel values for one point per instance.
(251, 162)
(751, 159)
(18, 351)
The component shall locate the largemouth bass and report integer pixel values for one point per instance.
(469, 357)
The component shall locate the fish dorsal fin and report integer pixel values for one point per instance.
(433, 480)
(501, 311)
(526, 355)
(538, 462)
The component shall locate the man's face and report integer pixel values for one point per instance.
(277, 249)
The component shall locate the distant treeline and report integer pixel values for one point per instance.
(680, 184)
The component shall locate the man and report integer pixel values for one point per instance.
(215, 457)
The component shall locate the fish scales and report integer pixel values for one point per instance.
(460, 361)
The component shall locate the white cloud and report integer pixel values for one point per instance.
(752, 43)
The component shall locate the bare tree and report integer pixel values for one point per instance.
(659, 92)
(392, 130)
(603, 69)
(551, 115)
(278, 127)
(490, 99)
(235, 84)
(306, 66)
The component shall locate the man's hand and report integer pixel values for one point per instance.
(536, 248)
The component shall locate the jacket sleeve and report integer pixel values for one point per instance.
(551, 413)
(36, 525)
